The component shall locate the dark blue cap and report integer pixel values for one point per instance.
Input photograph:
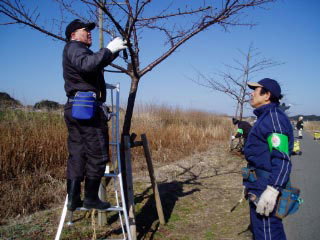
(77, 24)
(269, 84)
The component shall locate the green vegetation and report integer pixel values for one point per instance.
(7, 101)
(48, 105)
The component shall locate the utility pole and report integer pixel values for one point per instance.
(101, 44)
(102, 215)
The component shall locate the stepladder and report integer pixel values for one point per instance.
(113, 171)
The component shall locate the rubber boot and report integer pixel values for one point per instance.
(74, 191)
(92, 199)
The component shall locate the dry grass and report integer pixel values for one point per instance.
(312, 126)
(174, 133)
(33, 150)
(33, 153)
(31, 141)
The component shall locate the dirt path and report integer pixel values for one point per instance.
(197, 194)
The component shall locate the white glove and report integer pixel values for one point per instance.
(267, 201)
(233, 137)
(117, 45)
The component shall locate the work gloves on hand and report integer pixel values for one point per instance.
(267, 201)
(117, 45)
(233, 137)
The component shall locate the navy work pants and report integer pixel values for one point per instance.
(88, 145)
(266, 228)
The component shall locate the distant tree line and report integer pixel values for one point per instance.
(306, 117)
(47, 104)
(6, 101)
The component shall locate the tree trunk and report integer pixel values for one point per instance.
(126, 131)
(241, 110)
(130, 106)
(244, 85)
(236, 113)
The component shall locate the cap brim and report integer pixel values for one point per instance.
(253, 85)
(90, 26)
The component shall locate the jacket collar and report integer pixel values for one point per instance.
(260, 110)
(76, 41)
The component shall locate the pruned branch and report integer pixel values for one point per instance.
(17, 11)
(174, 25)
(222, 17)
(177, 14)
(234, 81)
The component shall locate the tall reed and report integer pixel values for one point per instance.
(174, 133)
(31, 141)
(312, 126)
(33, 150)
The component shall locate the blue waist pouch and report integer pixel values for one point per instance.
(288, 202)
(248, 174)
(84, 105)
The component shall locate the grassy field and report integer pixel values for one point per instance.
(199, 179)
(33, 150)
(33, 159)
(312, 126)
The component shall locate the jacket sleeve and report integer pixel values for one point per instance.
(280, 144)
(84, 60)
(238, 135)
(280, 168)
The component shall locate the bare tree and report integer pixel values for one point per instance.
(234, 81)
(174, 22)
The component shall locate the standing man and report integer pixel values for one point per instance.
(88, 140)
(299, 126)
(243, 130)
(268, 150)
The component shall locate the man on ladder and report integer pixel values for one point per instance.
(88, 140)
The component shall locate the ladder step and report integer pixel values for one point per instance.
(111, 175)
(115, 239)
(112, 208)
(113, 143)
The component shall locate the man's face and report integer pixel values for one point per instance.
(258, 100)
(82, 35)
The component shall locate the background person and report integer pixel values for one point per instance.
(299, 126)
(267, 151)
(242, 131)
(88, 140)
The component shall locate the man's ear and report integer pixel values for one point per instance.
(267, 96)
(73, 36)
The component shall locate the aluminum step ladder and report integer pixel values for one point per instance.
(120, 204)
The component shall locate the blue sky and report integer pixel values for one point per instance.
(289, 32)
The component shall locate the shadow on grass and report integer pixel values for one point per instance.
(147, 223)
(170, 192)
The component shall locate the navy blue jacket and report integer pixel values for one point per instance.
(270, 119)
